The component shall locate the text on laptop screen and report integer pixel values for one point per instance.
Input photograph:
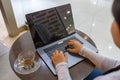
(49, 25)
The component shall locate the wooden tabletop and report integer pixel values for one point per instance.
(24, 42)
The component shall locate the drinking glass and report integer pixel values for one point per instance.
(26, 62)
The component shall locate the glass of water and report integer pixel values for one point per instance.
(26, 62)
(26, 59)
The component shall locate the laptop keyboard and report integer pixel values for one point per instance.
(61, 46)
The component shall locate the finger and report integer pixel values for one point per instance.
(56, 51)
(71, 40)
(61, 52)
(66, 57)
(71, 50)
(53, 53)
(70, 43)
(52, 58)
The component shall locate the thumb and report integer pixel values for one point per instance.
(66, 57)
(71, 50)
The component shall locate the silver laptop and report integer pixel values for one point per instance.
(51, 29)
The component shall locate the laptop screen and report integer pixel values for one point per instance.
(50, 25)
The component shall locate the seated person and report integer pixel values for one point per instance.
(110, 66)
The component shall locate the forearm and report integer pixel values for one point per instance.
(62, 71)
(100, 61)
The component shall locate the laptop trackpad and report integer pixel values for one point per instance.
(73, 59)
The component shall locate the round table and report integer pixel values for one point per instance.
(24, 42)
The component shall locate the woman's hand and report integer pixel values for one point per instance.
(58, 57)
(76, 46)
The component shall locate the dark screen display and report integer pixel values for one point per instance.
(50, 25)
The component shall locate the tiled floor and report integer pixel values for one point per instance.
(93, 17)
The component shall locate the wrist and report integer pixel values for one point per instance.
(61, 64)
(82, 51)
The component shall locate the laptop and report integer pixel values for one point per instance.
(51, 29)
